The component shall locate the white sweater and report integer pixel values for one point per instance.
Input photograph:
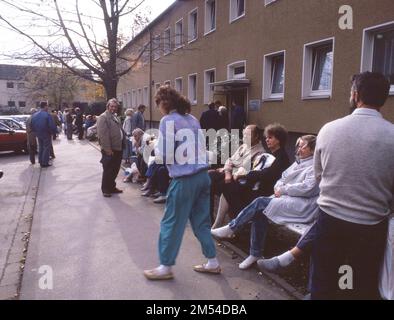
(354, 158)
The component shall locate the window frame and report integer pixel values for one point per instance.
(145, 95)
(268, 2)
(232, 5)
(232, 66)
(367, 49)
(176, 46)
(192, 101)
(307, 71)
(206, 21)
(156, 51)
(189, 39)
(165, 43)
(10, 85)
(267, 94)
(207, 87)
(175, 84)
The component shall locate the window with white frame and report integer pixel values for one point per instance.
(145, 54)
(318, 69)
(179, 34)
(134, 99)
(167, 41)
(129, 101)
(179, 85)
(210, 16)
(236, 70)
(146, 96)
(139, 97)
(156, 47)
(192, 88)
(378, 51)
(167, 83)
(209, 78)
(193, 26)
(157, 87)
(237, 9)
(274, 76)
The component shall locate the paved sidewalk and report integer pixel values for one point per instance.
(17, 196)
(97, 248)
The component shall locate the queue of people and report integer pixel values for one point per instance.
(338, 185)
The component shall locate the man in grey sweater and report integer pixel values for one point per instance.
(354, 160)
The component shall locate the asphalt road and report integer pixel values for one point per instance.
(85, 246)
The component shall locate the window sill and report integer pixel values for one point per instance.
(193, 103)
(179, 47)
(209, 32)
(317, 97)
(237, 18)
(193, 40)
(166, 54)
(273, 99)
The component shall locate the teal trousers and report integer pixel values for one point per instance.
(187, 199)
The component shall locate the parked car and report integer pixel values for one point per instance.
(12, 140)
(21, 118)
(13, 124)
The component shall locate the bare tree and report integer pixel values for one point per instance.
(69, 34)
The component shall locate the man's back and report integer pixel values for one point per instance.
(42, 123)
(355, 158)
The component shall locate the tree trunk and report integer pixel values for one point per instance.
(110, 87)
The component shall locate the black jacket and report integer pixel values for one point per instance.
(269, 176)
(209, 120)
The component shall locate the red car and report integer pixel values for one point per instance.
(12, 140)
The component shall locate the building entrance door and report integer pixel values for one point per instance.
(237, 97)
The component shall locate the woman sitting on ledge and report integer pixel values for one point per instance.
(294, 201)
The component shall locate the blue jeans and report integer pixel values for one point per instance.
(254, 213)
(44, 149)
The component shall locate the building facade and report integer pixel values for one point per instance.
(23, 87)
(285, 61)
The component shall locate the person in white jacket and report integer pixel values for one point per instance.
(294, 201)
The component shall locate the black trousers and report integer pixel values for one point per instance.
(69, 131)
(111, 166)
(80, 132)
(339, 243)
(32, 152)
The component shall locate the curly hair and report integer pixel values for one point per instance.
(278, 131)
(172, 100)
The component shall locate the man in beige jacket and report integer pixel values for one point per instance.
(110, 135)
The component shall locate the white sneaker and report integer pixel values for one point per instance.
(248, 262)
(223, 232)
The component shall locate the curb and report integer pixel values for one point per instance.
(11, 279)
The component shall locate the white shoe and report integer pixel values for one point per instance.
(223, 232)
(248, 262)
